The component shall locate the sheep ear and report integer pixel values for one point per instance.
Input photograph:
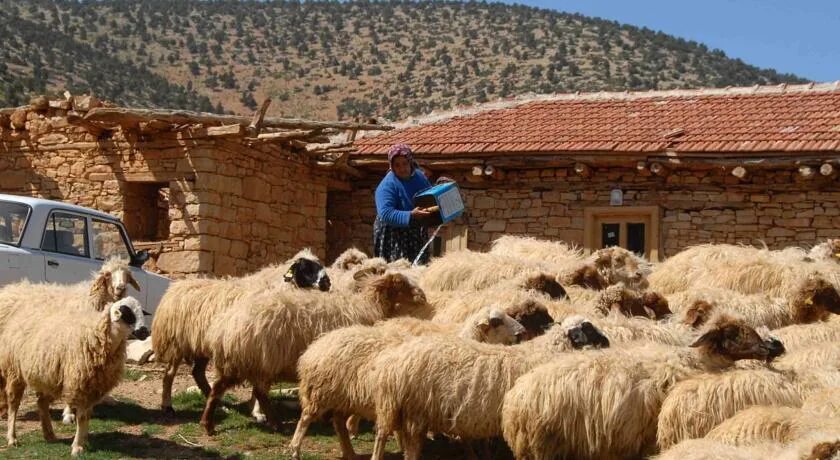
(100, 281)
(361, 274)
(650, 313)
(603, 257)
(133, 282)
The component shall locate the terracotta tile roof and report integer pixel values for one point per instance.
(802, 118)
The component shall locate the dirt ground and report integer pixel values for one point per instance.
(133, 426)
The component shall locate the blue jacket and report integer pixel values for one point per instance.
(395, 197)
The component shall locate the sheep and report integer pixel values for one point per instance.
(349, 259)
(452, 386)
(334, 369)
(825, 402)
(260, 338)
(553, 252)
(110, 283)
(804, 335)
(697, 405)
(814, 299)
(705, 449)
(188, 307)
(75, 354)
(468, 270)
(745, 269)
(622, 329)
(456, 306)
(604, 404)
(618, 298)
(763, 424)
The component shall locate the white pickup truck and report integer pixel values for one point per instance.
(51, 241)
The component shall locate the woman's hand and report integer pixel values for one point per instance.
(420, 213)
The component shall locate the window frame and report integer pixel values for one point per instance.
(25, 223)
(593, 214)
(50, 217)
(123, 236)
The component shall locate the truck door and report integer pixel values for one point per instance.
(66, 248)
(110, 240)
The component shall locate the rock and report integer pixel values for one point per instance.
(138, 351)
(192, 389)
(39, 103)
(18, 119)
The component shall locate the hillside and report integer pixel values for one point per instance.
(338, 60)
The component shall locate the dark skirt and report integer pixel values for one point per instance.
(392, 243)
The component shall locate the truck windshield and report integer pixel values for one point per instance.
(13, 218)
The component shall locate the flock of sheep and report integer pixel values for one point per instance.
(721, 351)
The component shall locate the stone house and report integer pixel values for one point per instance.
(204, 193)
(653, 171)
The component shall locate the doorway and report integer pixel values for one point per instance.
(633, 228)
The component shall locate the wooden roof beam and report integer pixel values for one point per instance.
(123, 116)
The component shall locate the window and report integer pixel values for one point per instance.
(633, 228)
(108, 241)
(66, 234)
(13, 218)
(146, 211)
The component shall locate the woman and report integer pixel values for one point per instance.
(397, 231)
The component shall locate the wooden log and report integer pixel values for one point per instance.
(658, 169)
(285, 135)
(257, 122)
(641, 166)
(494, 172)
(826, 169)
(582, 170)
(154, 126)
(329, 165)
(477, 171)
(226, 131)
(806, 172)
(740, 172)
(75, 118)
(122, 115)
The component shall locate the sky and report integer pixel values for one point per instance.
(799, 37)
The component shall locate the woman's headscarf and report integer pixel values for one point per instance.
(397, 150)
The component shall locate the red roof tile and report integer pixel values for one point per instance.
(793, 119)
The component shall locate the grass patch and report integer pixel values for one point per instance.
(133, 374)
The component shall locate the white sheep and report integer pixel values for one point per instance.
(260, 338)
(523, 247)
(629, 302)
(110, 283)
(772, 424)
(188, 307)
(77, 355)
(349, 259)
(813, 299)
(804, 335)
(452, 386)
(334, 370)
(742, 268)
(468, 270)
(604, 404)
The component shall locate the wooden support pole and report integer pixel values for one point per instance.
(658, 169)
(806, 172)
(351, 136)
(582, 170)
(827, 169)
(257, 122)
(740, 172)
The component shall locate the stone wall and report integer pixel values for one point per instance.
(776, 207)
(233, 207)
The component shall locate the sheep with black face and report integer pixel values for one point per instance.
(75, 355)
(189, 306)
(604, 404)
(460, 390)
